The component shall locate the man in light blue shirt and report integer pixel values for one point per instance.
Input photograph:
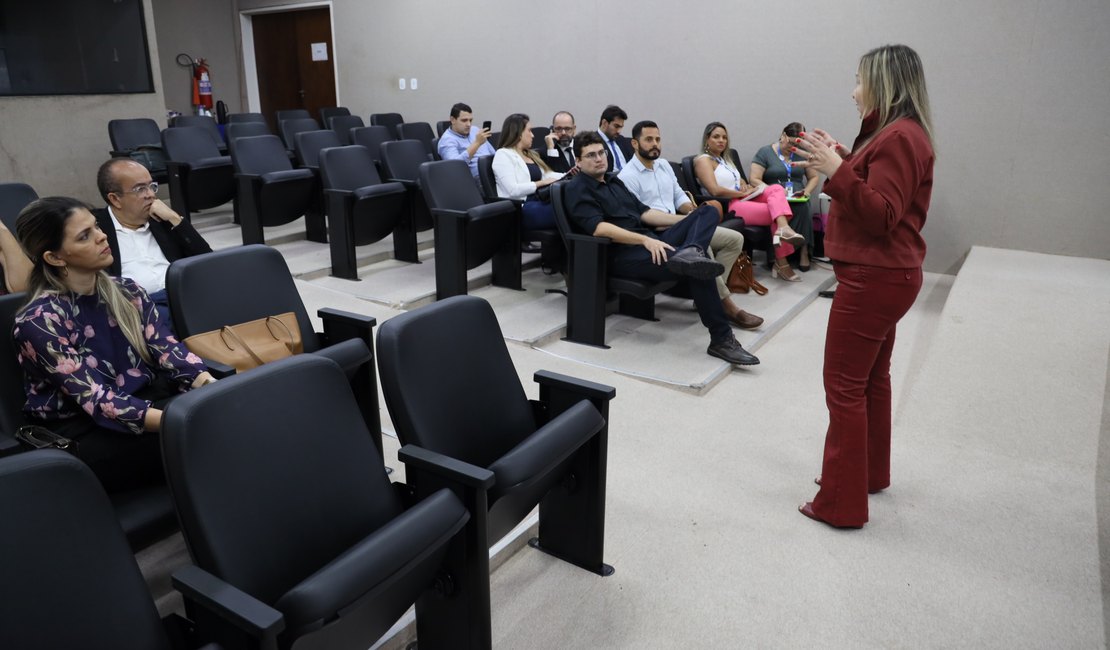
(462, 141)
(653, 181)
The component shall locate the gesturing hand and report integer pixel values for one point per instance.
(817, 153)
(658, 249)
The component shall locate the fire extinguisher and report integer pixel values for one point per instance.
(202, 88)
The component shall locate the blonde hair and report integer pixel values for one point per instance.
(893, 83)
(726, 155)
(40, 228)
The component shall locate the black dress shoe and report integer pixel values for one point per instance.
(731, 351)
(691, 262)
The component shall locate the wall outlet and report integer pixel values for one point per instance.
(401, 83)
(412, 83)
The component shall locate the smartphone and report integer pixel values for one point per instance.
(487, 125)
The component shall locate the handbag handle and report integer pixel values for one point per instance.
(284, 326)
(243, 344)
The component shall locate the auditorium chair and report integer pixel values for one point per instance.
(538, 135)
(145, 514)
(589, 282)
(237, 118)
(205, 122)
(13, 198)
(388, 120)
(70, 580)
(282, 496)
(372, 138)
(465, 423)
(401, 160)
(755, 237)
(271, 192)
(241, 284)
(342, 125)
(293, 114)
(237, 130)
(441, 127)
(421, 131)
(140, 140)
(291, 127)
(362, 209)
(332, 111)
(200, 177)
(468, 231)
(552, 251)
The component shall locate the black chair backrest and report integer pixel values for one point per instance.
(479, 410)
(133, 133)
(332, 111)
(402, 159)
(294, 114)
(232, 286)
(538, 135)
(680, 176)
(308, 144)
(495, 139)
(421, 131)
(13, 198)
(739, 165)
(246, 501)
(70, 578)
(291, 127)
(236, 118)
(448, 185)
(442, 126)
(486, 178)
(236, 130)
(13, 392)
(388, 120)
(188, 144)
(348, 168)
(342, 125)
(372, 138)
(203, 121)
(558, 205)
(259, 155)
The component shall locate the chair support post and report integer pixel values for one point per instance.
(250, 219)
(315, 218)
(506, 261)
(450, 258)
(404, 234)
(179, 178)
(341, 238)
(587, 270)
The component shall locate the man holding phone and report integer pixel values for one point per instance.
(462, 141)
(560, 150)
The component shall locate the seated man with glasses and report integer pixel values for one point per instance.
(599, 204)
(144, 233)
(560, 143)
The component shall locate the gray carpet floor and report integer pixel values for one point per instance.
(989, 537)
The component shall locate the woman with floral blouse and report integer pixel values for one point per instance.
(98, 360)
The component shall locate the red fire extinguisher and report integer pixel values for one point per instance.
(202, 88)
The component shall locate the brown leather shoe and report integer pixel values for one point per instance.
(739, 317)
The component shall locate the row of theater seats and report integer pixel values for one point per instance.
(278, 482)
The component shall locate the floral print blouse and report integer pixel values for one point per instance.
(75, 358)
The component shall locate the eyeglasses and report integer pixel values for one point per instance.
(600, 154)
(563, 129)
(139, 189)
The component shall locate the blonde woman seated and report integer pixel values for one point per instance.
(98, 360)
(520, 173)
(720, 175)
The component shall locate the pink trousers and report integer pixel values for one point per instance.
(763, 210)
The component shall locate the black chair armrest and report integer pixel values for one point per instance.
(330, 192)
(503, 206)
(564, 383)
(443, 212)
(450, 469)
(341, 325)
(588, 239)
(219, 370)
(8, 444)
(227, 603)
(409, 184)
(247, 177)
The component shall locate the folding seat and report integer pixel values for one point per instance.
(236, 118)
(372, 138)
(468, 231)
(332, 111)
(388, 120)
(139, 139)
(283, 497)
(288, 129)
(271, 192)
(145, 514)
(342, 125)
(589, 282)
(538, 135)
(465, 422)
(238, 285)
(205, 122)
(754, 236)
(442, 126)
(237, 130)
(362, 209)
(401, 160)
(552, 252)
(13, 198)
(293, 114)
(421, 131)
(70, 579)
(200, 177)
(308, 144)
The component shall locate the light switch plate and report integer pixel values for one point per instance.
(412, 83)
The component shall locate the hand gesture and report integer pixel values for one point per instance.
(483, 135)
(658, 249)
(817, 153)
(159, 211)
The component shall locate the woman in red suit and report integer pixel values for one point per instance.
(880, 190)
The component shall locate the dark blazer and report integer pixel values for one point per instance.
(556, 163)
(176, 243)
(625, 145)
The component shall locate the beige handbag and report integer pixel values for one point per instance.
(249, 345)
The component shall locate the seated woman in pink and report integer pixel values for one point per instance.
(98, 361)
(720, 175)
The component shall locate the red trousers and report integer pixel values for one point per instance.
(868, 304)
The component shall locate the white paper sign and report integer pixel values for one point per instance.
(319, 51)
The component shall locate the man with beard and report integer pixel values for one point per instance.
(597, 203)
(652, 180)
(145, 234)
(560, 150)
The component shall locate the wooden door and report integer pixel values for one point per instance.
(287, 75)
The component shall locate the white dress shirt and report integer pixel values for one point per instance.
(141, 259)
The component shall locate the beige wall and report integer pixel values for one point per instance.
(1019, 88)
(56, 143)
(176, 23)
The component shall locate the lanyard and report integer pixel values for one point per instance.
(735, 176)
(786, 163)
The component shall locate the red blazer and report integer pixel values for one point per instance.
(881, 196)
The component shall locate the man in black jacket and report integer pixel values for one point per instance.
(145, 234)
